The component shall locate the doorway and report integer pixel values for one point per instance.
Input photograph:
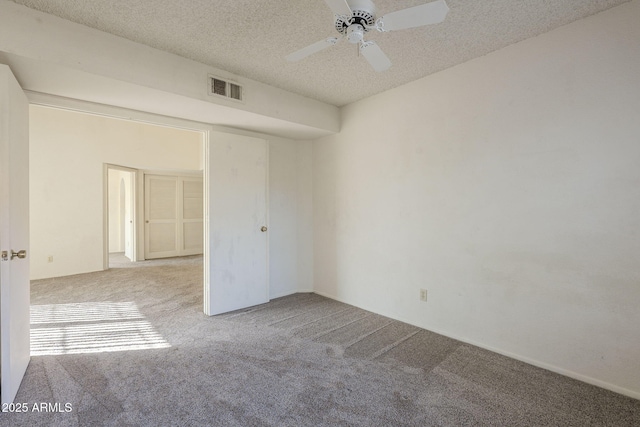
(235, 176)
(121, 214)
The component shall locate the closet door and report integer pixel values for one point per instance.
(173, 216)
(161, 216)
(192, 225)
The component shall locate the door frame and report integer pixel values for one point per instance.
(133, 194)
(207, 131)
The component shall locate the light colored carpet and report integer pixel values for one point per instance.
(301, 360)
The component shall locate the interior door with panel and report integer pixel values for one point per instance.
(161, 216)
(174, 216)
(191, 221)
(238, 264)
(129, 216)
(14, 235)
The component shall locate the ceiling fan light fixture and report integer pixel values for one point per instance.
(355, 33)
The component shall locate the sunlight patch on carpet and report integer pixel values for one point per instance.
(91, 327)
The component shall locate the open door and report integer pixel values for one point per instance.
(14, 235)
(238, 223)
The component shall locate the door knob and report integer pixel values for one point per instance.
(20, 254)
(263, 228)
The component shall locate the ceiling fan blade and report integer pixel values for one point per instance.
(339, 7)
(417, 16)
(311, 49)
(376, 57)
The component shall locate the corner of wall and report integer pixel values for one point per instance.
(304, 215)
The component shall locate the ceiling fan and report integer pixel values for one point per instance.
(353, 18)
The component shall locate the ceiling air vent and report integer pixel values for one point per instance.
(224, 88)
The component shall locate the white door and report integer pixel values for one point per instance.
(128, 215)
(191, 220)
(237, 217)
(14, 235)
(174, 216)
(161, 216)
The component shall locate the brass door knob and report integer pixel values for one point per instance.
(263, 228)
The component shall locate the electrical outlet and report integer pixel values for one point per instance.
(423, 295)
(50, 258)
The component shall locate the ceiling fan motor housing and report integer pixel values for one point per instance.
(363, 15)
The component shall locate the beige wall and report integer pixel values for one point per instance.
(509, 188)
(67, 154)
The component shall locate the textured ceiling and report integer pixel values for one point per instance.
(251, 38)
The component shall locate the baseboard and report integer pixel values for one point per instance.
(287, 293)
(57, 275)
(558, 370)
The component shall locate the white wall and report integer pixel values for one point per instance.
(67, 154)
(509, 187)
(290, 217)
